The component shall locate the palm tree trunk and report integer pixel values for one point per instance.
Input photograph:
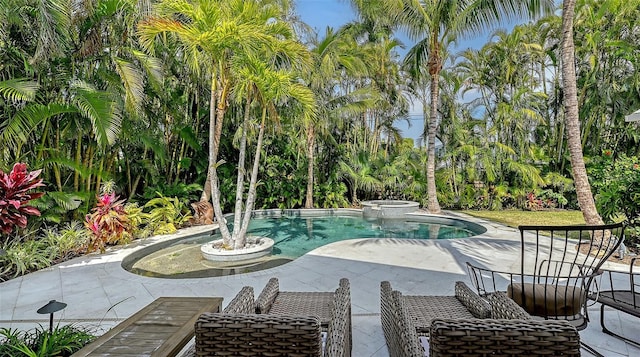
(583, 189)
(215, 125)
(237, 216)
(251, 196)
(311, 139)
(434, 70)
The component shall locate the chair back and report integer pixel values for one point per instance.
(558, 264)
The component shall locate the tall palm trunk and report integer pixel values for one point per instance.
(311, 140)
(434, 70)
(216, 117)
(251, 195)
(242, 171)
(583, 189)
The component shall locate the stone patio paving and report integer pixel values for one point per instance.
(99, 293)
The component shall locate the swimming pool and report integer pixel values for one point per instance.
(295, 234)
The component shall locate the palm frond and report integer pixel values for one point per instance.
(19, 89)
(100, 108)
(133, 83)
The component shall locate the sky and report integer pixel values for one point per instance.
(322, 13)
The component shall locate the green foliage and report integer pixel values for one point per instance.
(137, 220)
(71, 240)
(25, 255)
(330, 194)
(616, 183)
(62, 341)
(281, 185)
(166, 214)
(57, 206)
(186, 193)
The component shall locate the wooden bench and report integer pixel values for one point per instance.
(161, 328)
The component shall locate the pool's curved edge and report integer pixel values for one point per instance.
(130, 259)
(476, 228)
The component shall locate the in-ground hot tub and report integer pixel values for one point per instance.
(388, 208)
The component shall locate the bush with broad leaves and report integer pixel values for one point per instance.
(14, 197)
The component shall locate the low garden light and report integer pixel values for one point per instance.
(51, 307)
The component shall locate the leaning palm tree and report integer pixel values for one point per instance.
(572, 121)
(435, 24)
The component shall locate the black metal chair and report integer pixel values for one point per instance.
(558, 265)
(621, 293)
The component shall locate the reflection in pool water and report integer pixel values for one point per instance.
(294, 236)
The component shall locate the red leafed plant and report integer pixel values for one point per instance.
(108, 222)
(14, 198)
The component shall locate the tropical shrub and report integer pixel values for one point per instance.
(616, 183)
(166, 214)
(186, 193)
(330, 194)
(137, 219)
(62, 341)
(108, 223)
(58, 207)
(14, 197)
(71, 240)
(25, 255)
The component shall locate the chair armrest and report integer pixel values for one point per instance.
(242, 303)
(399, 331)
(339, 330)
(257, 335)
(490, 336)
(503, 307)
(267, 296)
(478, 306)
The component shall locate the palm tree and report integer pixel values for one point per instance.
(572, 120)
(335, 57)
(359, 171)
(217, 38)
(271, 89)
(434, 24)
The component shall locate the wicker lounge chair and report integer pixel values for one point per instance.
(240, 331)
(558, 265)
(448, 335)
(275, 302)
(618, 295)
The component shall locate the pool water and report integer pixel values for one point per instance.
(294, 236)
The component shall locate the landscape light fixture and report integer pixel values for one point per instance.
(51, 307)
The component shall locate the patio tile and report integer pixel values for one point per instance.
(100, 293)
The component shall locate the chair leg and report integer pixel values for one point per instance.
(590, 349)
(609, 332)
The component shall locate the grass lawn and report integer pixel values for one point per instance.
(514, 218)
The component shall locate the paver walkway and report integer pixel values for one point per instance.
(100, 293)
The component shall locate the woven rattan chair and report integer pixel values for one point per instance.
(558, 265)
(242, 303)
(314, 303)
(257, 335)
(240, 331)
(449, 336)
